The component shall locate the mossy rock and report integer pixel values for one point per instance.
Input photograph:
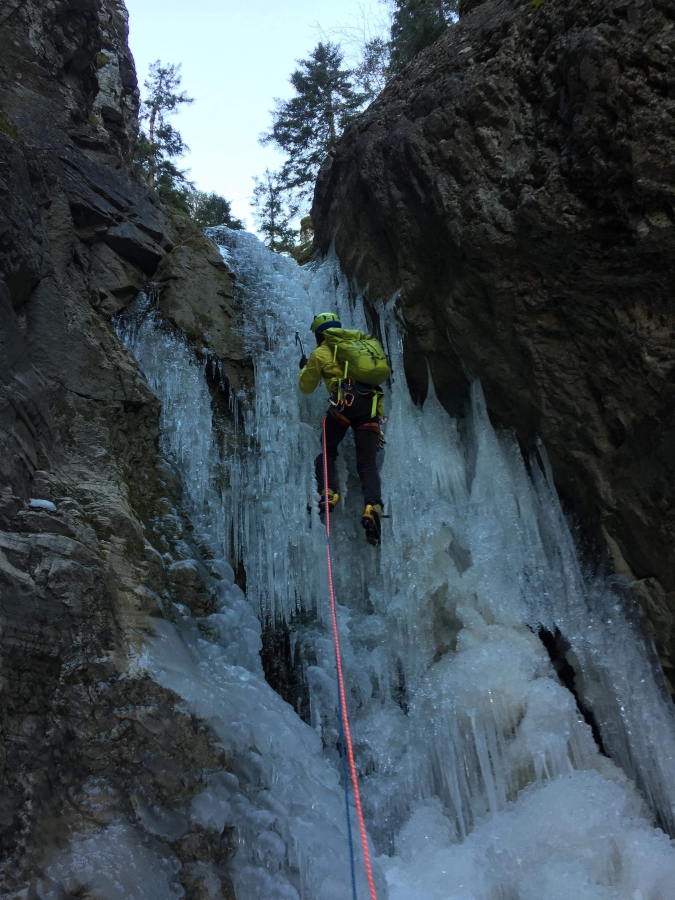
(302, 253)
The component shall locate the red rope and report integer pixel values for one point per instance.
(338, 659)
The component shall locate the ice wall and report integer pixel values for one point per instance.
(283, 795)
(479, 776)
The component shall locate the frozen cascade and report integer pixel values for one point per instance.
(481, 780)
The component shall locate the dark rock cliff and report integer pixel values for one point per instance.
(517, 184)
(79, 575)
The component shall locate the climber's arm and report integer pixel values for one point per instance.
(310, 376)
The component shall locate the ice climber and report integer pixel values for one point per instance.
(353, 366)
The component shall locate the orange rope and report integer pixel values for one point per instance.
(338, 660)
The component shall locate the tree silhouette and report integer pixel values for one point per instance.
(163, 143)
(308, 125)
(273, 212)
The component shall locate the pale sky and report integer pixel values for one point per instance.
(237, 56)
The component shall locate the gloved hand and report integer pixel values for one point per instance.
(303, 361)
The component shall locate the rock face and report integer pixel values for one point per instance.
(196, 295)
(517, 184)
(82, 570)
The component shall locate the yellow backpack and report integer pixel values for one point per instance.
(361, 355)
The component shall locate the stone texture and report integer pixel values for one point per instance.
(196, 294)
(85, 739)
(516, 183)
(130, 243)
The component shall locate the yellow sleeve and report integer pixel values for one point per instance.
(310, 376)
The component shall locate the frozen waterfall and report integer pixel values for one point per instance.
(480, 778)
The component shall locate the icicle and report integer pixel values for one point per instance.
(480, 777)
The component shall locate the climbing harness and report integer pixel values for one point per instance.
(346, 738)
(346, 394)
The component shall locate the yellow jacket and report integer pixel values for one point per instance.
(321, 365)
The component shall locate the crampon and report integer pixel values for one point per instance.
(332, 502)
(372, 523)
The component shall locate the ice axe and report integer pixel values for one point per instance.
(298, 340)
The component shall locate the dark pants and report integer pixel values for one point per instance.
(366, 437)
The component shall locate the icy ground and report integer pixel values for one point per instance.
(480, 778)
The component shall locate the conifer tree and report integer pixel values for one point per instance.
(308, 125)
(160, 144)
(372, 72)
(158, 148)
(208, 209)
(273, 212)
(365, 41)
(415, 25)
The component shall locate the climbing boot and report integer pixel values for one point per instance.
(371, 521)
(332, 501)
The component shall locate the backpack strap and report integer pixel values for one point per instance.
(346, 361)
(377, 393)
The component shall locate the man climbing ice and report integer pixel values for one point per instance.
(353, 366)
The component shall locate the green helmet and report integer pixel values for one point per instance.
(324, 321)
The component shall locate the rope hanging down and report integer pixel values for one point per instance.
(344, 719)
